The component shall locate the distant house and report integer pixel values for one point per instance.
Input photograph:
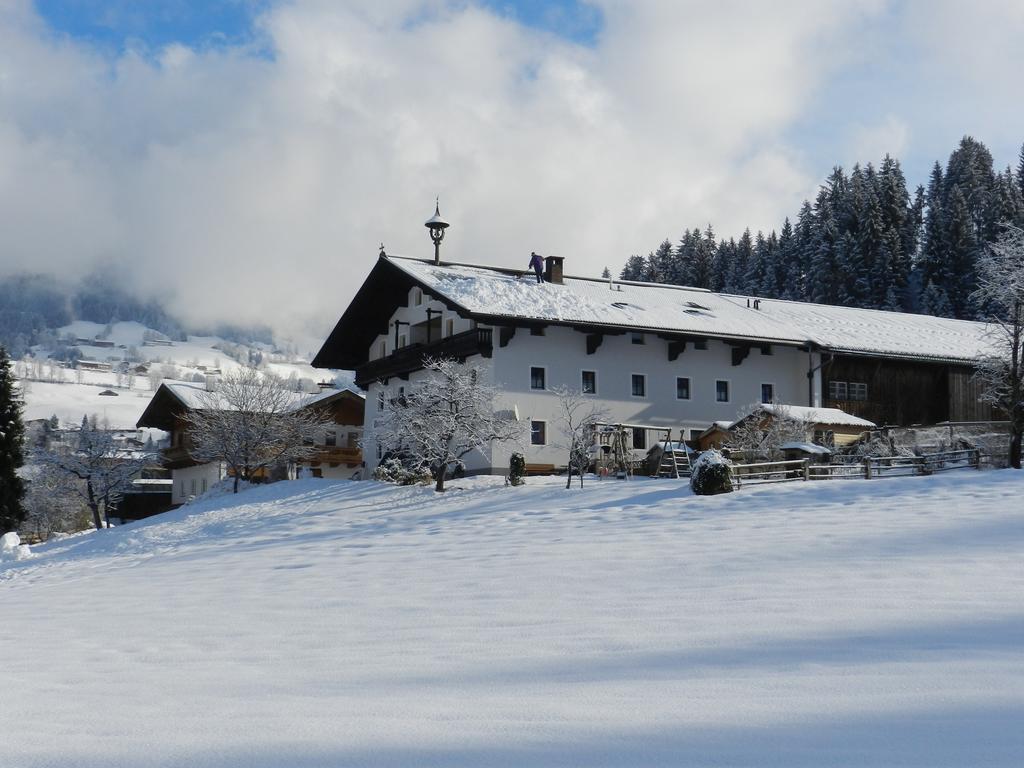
(94, 365)
(339, 457)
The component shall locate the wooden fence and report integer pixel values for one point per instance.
(865, 469)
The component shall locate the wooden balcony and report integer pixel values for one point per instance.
(176, 456)
(331, 455)
(404, 361)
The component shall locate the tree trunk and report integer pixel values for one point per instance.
(237, 474)
(439, 485)
(568, 480)
(1016, 432)
(94, 506)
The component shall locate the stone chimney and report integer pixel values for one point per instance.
(553, 269)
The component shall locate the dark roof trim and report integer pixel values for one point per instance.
(161, 411)
(383, 290)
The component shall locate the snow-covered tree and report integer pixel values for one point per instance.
(12, 435)
(443, 417)
(577, 418)
(1001, 292)
(105, 468)
(253, 422)
(761, 431)
(53, 503)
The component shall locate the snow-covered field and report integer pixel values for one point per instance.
(319, 623)
(78, 394)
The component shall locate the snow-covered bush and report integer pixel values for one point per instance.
(516, 468)
(878, 446)
(11, 547)
(712, 473)
(394, 471)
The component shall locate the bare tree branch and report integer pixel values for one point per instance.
(443, 417)
(252, 422)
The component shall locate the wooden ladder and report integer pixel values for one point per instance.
(674, 462)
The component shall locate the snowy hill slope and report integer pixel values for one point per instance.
(319, 623)
(77, 393)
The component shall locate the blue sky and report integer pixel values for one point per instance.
(265, 144)
(156, 23)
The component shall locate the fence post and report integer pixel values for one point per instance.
(867, 468)
(807, 470)
(977, 458)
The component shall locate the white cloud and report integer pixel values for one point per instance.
(258, 189)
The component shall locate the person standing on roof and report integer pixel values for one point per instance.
(537, 263)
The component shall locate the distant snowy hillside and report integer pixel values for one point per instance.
(56, 389)
(317, 623)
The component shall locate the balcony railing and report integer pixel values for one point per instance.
(176, 456)
(333, 455)
(404, 361)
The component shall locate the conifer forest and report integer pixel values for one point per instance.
(865, 240)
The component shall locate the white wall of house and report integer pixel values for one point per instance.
(193, 481)
(562, 353)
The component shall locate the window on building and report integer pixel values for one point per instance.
(317, 472)
(589, 383)
(383, 351)
(636, 337)
(449, 327)
(330, 438)
(695, 433)
(700, 344)
(682, 388)
(537, 331)
(417, 296)
(193, 486)
(639, 438)
(538, 433)
(825, 437)
(639, 385)
(537, 376)
(204, 485)
(721, 391)
(766, 349)
(403, 340)
(767, 393)
(837, 390)
(857, 390)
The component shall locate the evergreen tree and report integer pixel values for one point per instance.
(662, 264)
(1020, 171)
(933, 263)
(723, 264)
(606, 273)
(963, 248)
(12, 435)
(736, 282)
(757, 269)
(634, 268)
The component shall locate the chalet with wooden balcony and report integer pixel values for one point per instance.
(657, 357)
(340, 455)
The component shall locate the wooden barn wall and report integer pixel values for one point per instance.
(965, 398)
(899, 392)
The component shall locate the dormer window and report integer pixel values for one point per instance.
(417, 296)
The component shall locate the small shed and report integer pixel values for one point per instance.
(714, 436)
(818, 454)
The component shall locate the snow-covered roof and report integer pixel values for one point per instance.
(196, 395)
(818, 450)
(833, 417)
(676, 309)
